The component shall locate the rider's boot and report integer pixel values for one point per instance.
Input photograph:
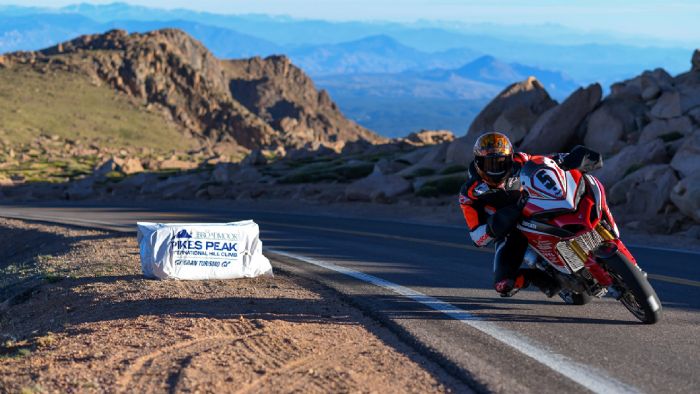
(509, 287)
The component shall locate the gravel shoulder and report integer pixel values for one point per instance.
(77, 316)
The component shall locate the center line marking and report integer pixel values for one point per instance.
(588, 377)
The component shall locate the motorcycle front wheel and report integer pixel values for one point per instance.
(637, 294)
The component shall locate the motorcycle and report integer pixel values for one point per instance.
(573, 237)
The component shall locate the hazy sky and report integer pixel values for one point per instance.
(672, 19)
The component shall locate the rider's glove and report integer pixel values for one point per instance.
(582, 159)
(503, 221)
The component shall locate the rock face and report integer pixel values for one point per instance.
(514, 110)
(687, 160)
(377, 187)
(686, 196)
(556, 128)
(645, 191)
(629, 159)
(253, 103)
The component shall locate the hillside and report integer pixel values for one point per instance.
(177, 78)
(70, 105)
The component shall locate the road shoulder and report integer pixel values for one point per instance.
(80, 317)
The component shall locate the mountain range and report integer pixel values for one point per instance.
(424, 64)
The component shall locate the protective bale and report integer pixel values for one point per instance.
(197, 251)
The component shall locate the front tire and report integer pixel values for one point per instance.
(637, 294)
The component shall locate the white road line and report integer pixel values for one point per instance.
(588, 377)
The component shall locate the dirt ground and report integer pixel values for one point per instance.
(77, 316)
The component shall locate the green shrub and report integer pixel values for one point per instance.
(441, 186)
(423, 171)
(320, 173)
(427, 191)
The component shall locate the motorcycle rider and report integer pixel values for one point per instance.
(492, 200)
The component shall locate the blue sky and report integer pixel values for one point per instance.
(669, 20)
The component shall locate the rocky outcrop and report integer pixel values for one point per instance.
(514, 110)
(686, 196)
(687, 159)
(253, 103)
(555, 130)
(378, 187)
(648, 129)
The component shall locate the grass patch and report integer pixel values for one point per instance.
(423, 171)
(70, 106)
(441, 186)
(341, 172)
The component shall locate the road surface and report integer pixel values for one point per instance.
(427, 282)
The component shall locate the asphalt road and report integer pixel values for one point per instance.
(427, 282)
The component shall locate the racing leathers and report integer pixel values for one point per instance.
(491, 214)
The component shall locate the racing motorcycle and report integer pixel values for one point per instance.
(573, 237)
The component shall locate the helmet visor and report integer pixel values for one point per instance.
(495, 168)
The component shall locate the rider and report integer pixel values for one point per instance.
(491, 203)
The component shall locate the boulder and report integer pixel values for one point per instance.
(430, 137)
(555, 129)
(388, 166)
(687, 159)
(110, 165)
(667, 106)
(665, 128)
(434, 159)
(646, 86)
(131, 165)
(686, 196)
(246, 175)
(651, 92)
(224, 173)
(604, 131)
(174, 163)
(81, 189)
(216, 191)
(377, 187)
(461, 150)
(416, 155)
(695, 61)
(695, 114)
(255, 158)
(515, 123)
(689, 97)
(645, 191)
(518, 106)
(629, 159)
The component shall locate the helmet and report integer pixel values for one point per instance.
(493, 158)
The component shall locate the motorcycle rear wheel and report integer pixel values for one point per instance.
(637, 294)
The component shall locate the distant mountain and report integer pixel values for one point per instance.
(599, 60)
(479, 79)
(374, 54)
(438, 98)
(488, 69)
(224, 43)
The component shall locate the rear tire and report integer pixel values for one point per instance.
(637, 294)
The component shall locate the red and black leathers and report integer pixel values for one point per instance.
(481, 204)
